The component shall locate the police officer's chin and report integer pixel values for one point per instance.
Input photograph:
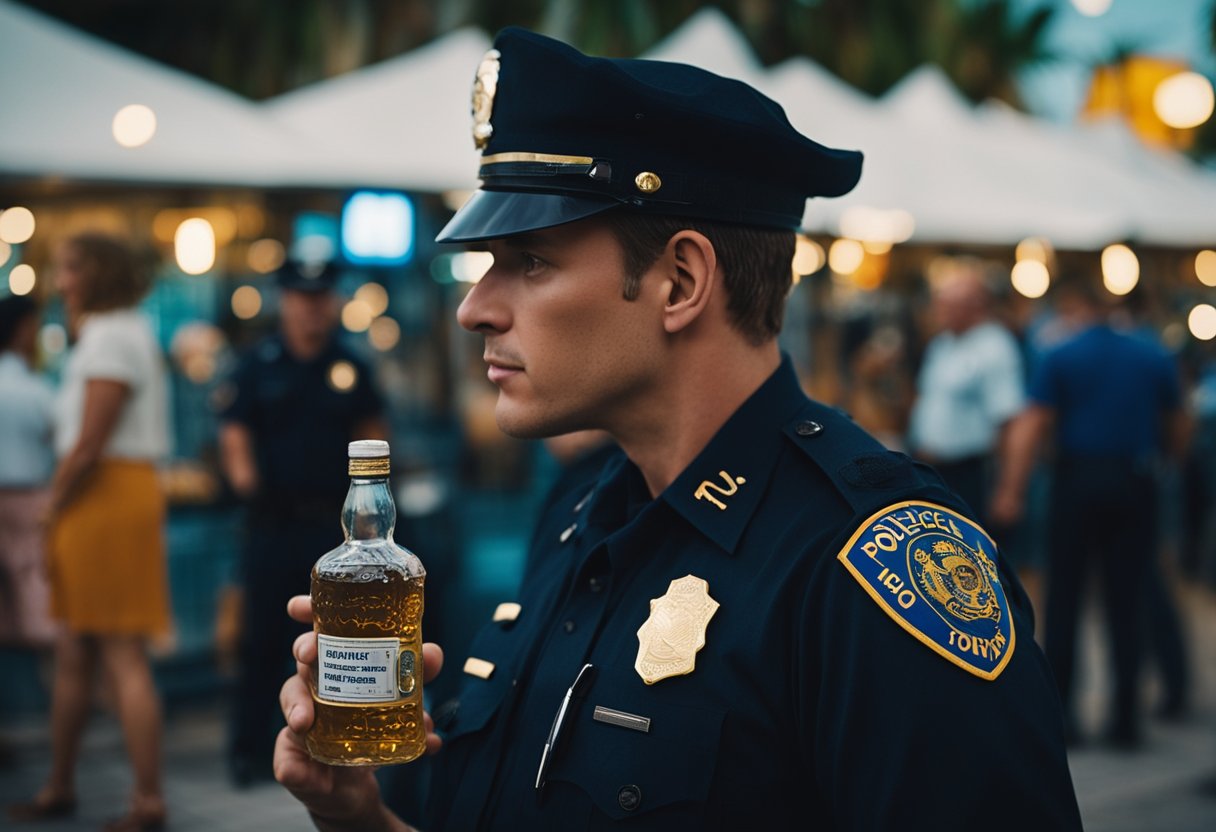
(518, 423)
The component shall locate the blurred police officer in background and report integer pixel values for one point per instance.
(756, 617)
(298, 397)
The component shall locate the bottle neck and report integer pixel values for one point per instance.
(369, 512)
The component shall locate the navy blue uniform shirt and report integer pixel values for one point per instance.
(1109, 390)
(810, 705)
(302, 414)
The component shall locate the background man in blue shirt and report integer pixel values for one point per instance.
(1113, 402)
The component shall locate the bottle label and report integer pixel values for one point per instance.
(357, 669)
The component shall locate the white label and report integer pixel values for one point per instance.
(357, 669)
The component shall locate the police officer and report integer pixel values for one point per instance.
(757, 618)
(298, 398)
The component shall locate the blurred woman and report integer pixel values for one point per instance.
(105, 543)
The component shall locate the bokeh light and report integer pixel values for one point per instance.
(265, 256)
(246, 302)
(1030, 278)
(471, 266)
(1037, 249)
(6, 251)
(342, 376)
(375, 296)
(16, 225)
(1184, 100)
(194, 246)
(808, 256)
(21, 279)
(1205, 267)
(846, 256)
(384, 334)
(1202, 322)
(357, 316)
(134, 125)
(1120, 269)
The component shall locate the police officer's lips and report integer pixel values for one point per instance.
(501, 369)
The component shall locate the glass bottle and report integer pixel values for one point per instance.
(367, 608)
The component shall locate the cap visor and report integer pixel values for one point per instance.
(490, 215)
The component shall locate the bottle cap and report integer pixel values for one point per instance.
(367, 449)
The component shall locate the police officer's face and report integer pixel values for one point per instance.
(564, 347)
(309, 314)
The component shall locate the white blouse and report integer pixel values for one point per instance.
(117, 346)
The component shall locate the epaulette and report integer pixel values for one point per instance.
(866, 474)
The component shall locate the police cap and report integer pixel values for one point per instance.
(565, 136)
(315, 276)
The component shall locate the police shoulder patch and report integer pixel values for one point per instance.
(934, 572)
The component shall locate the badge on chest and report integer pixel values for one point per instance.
(669, 640)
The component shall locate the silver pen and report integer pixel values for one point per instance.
(580, 681)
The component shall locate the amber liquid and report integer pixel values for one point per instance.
(389, 605)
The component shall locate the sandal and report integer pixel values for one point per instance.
(41, 808)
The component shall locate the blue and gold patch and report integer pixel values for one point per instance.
(934, 572)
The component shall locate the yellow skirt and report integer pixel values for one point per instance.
(107, 554)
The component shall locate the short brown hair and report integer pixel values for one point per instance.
(756, 264)
(114, 276)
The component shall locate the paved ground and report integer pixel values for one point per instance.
(1170, 785)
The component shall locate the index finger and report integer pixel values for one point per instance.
(300, 608)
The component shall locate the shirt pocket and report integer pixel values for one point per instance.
(657, 777)
(480, 698)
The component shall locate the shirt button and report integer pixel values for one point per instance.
(595, 584)
(569, 626)
(629, 798)
(565, 535)
(808, 428)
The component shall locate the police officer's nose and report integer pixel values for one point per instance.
(483, 309)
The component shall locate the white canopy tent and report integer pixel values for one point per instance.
(966, 175)
(927, 154)
(403, 123)
(709, 40)
(60, 90)
(986, 175)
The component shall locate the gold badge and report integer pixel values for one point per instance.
(484, 87)
(647, 182)
(669, 640)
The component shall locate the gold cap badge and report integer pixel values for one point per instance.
(669, 640)
(485, 85)
(647, 182)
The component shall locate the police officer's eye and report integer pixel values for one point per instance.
(530, 262)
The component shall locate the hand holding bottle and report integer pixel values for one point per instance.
(337, 797)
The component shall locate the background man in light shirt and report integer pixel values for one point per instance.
(970, 386)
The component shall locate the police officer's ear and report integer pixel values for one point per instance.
(692, 272)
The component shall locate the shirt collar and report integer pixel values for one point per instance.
(719, 492)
